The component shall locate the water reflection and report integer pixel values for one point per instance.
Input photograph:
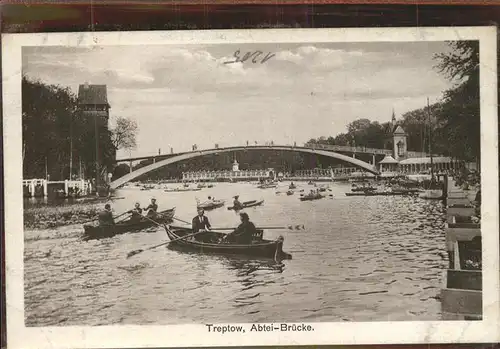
(358, 259)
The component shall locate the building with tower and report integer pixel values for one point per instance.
(235, 174)
(400, 150)
(93, 101)
(93, 109)
(410, 162)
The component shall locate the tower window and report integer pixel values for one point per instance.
(401, 150)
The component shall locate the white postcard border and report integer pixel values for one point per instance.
(19, 336)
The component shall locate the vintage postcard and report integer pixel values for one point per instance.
(251, 187)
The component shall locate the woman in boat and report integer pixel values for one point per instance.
(106, 216)
(243, 234)
(151, 209)
(136, 213)
(237, 205)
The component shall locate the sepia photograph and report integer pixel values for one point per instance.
(251, 186)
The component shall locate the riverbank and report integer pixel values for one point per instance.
(43, 216)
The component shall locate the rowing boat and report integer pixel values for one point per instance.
(257, 248)
(310, 197)
(267, 186)
(182, 189)
(248, 204)
(363, 189)
(97, 232)
(377, 193)
(211, 204)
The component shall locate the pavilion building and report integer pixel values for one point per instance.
(407, 162)
(235, 174)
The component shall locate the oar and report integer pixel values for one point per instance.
(133, 253)
(180, 220)
(121, 220)
(98, 217)
(289, 227)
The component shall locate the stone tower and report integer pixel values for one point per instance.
(93, 108)
(400, 150)
(93, 101)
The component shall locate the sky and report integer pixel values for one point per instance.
(185, 95)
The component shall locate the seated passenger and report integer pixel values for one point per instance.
(243, 234)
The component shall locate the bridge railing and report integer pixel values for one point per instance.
(338, 148)
(350, 149)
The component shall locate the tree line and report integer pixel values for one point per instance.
(451, 127)
(58, 140)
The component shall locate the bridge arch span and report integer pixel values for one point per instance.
(186, 156)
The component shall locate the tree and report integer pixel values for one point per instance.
(459, 117)
(48, 112)
(123, 136)
(56, 134)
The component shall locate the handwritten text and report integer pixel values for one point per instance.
(254, 57)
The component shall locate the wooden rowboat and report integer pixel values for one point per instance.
(211, 204)
(310, 197)
(258, 248)
(247, 204)
(98, 232)
(267, 186)
(181, 190)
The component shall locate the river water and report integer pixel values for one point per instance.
(357, 259)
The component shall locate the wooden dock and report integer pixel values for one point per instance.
(461, 299)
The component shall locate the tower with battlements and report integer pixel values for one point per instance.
(93, 111)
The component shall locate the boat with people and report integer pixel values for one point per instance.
(292, 186)
(362, 188)
(247, 204)
(378, 193)
(94, 231)
(267, 185)
(290, 192)
(258, 247)
(311, 197)
(181, 190)
(211, 204)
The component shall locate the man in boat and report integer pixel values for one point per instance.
(136, 213)
(151, 209)
(243, 234)
(201, 223)
(106, 216)
(237, 205)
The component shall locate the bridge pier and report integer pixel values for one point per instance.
(373, 159)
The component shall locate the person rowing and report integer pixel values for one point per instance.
(237, 205)
(244, 233)
(151, 209)
(201, 223)
(106, 216)
(136, 213)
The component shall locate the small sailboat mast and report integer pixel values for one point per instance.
(430, 139)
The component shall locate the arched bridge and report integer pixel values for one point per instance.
(186, 156)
